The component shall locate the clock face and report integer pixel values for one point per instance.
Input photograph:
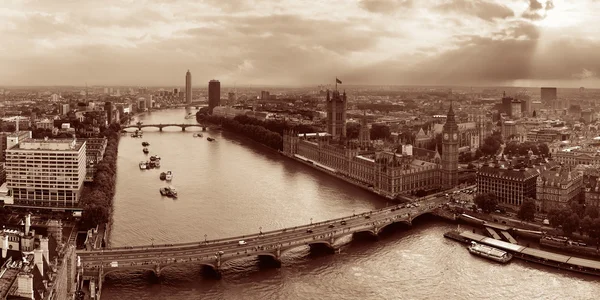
(455, 136)
(445, 136)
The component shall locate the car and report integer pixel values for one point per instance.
(241, 243)
(331, 226)
(309, 230)
(343, 222)
(367, 217)
(220, 253)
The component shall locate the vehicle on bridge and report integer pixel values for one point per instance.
(242, 243)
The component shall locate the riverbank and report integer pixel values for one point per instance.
(344, 178)
(568, 263)
(97, 198)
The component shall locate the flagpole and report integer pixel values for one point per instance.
(336, 84)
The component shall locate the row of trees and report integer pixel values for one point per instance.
(256, 132)
(516, 148)
(576, 218)
(97, 198)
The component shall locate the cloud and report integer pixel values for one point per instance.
(537, 11)
(482, 9)
(535, 5)
(384, 6)
(585, 74)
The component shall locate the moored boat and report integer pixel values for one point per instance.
(169, 176)
(145, 144)
(489, 252)
(145, 150)
(163, 176)
(210, 139)
(168, 191)
(143, 165)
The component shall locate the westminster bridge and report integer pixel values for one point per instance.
(271, 245)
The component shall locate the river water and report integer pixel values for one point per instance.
(233, 186)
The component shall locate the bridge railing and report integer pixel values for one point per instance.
(248, 236)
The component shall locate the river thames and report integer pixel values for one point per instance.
(233, 186)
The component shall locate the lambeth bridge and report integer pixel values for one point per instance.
(272, 245)
(160, 127)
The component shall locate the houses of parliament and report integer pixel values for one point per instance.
(389, 173)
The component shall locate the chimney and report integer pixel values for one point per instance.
(44, 247)
(4, 245)
(38, 259)
(28, 222)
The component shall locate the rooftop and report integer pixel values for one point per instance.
(50, 144)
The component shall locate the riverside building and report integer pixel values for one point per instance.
(389, 173)
(46, 173)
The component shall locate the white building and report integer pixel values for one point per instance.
(46, 173)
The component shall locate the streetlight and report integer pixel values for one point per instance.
(205, 239)
(353, 214)
(152, 239)
(310, 221)
(260, 229)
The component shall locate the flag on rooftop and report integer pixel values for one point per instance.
(338, 81)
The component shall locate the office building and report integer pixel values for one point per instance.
(188, 87)
(46, 173)
(10, 139)
(214, 94)
(549, 97)
(108, 108)
(336, 114)
(558, 188)
(63, 109)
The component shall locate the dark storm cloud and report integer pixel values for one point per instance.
(384, 6)
(482, 9)
(505, 56)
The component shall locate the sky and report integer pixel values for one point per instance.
(300, 42)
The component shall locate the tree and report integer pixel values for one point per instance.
(592, 212)
(527, 210)
(487, 202)
(570, 224)
(594, 231)
(352, 130)
(557, 216)
(586, 224)
(544, 149)
(380, 132)
(94, 215)
(577, 208)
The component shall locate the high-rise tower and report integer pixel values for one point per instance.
(450, 151)
(336, 114)
(188, 87)
(214, 94)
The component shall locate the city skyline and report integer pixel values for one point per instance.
(401, 42)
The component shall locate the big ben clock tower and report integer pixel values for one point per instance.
(450, 151)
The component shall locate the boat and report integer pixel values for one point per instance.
(172, 192)
(198, 135)
(157, 163)
(143, 165)
(169, 176)
(168, 191)
(489, 252)
(146, 150)
(145, 144)
(190, 116)
(210, 139)
(163, 176)
(150, 164)
(154, 157)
